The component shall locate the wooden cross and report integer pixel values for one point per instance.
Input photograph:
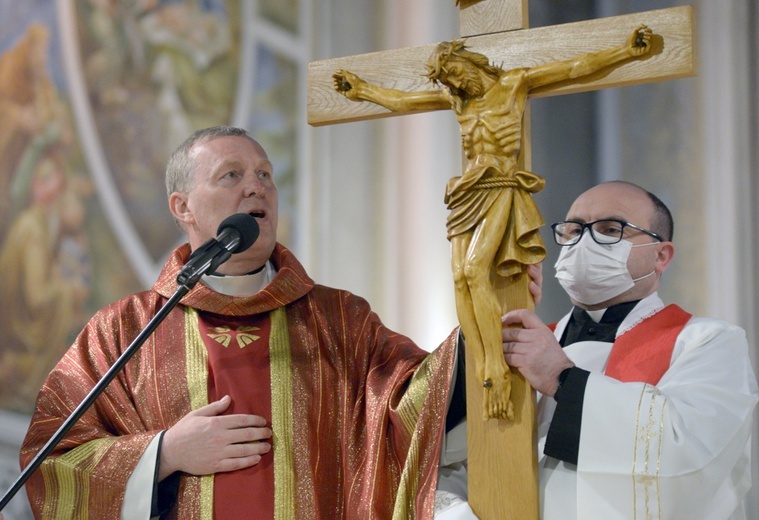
(503, 481)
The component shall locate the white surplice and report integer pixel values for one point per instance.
(677, 450)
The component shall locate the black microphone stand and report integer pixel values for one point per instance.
(186, 281)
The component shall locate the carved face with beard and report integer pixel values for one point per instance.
(462, 77)
(459, 69)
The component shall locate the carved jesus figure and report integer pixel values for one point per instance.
(493, 222)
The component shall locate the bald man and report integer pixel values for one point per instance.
(644, 410)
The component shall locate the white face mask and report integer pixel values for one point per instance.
(592, 273)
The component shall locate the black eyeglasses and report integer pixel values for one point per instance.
(604, 232)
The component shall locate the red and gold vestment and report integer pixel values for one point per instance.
(357, 410)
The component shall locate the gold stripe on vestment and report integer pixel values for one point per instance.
(197, 385)
(409, 409)
(282, 416)
(658, 459)
(413, 398)
(73, 485)
(649, 434)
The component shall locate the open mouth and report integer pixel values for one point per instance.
(257, 214)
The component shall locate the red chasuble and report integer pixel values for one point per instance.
(357, 411)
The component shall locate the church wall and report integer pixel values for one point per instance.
(344, 224)
(729, 97)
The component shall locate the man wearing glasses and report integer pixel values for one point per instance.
(644, 410)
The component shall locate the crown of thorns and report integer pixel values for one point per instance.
(441, 55)
(436, 65)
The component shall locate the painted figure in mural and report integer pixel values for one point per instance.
(191, 47)
(155, 71)
(106, 67)
(493, 221)
(45, 266)
(41, 218)
(28, 105)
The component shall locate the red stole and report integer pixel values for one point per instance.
(643, 353)
(238, 359)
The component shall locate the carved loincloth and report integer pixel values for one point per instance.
(470, 197)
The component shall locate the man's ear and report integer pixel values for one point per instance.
(664, 256)
(179, 207)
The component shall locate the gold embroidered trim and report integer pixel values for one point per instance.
(648, 434)
(73, 485)
(48, 475)
(408, 409)
(413, 398)
(281, 416)
(197, 384)
(658, 457)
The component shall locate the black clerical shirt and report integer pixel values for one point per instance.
(563, 438)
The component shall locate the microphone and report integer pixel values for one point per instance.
(235, 234)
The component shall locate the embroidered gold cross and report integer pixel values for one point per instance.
(244, 335)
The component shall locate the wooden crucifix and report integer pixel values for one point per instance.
(493, 222)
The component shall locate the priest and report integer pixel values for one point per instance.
(262, 394)
(645, 411)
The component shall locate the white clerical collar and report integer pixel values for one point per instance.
(596, 315)
(244, 285)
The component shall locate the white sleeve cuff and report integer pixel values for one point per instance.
(138, 495)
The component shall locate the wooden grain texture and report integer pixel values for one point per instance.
(502, 454)
(478, 17)
(673, 57)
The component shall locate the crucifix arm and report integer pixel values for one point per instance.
(637, 45)
(356, 89)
